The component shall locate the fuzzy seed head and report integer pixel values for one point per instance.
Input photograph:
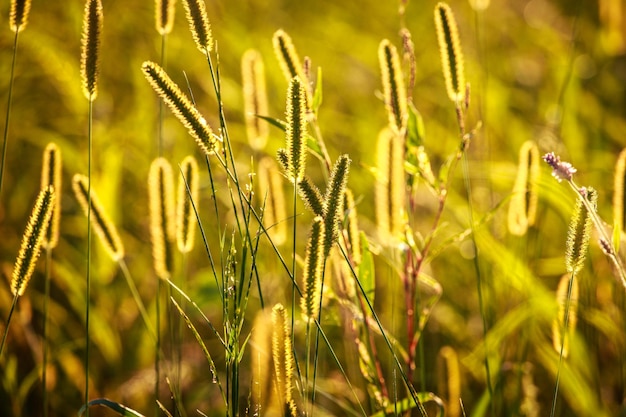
(287, 56)
(51, 176)
(272, 198)
(31, 241)
(352, 226)
(255, 98)
(311, 196)
(579, 234)
(282, 354)
(164, 13)
(296, 129)
(393, 85)
(18, 16)
(618, 191)
(390, 184)
(104, 228)
(162, 228)
(313, 270)
(451, 54)
(195, 10)
(92, 28)
(333, 202)
(181, 106)
(185, 214)
(523, 206)
(565, 324)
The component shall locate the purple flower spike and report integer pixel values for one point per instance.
(560, 170)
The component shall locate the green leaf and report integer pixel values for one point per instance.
(317, 95)
(314, 147)
(408, 404)
(366, 269)
(415, 127)
(274, 122)
(120, 409)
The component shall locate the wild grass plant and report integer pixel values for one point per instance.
(347, 215)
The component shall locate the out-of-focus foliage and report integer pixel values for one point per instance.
(553, 71)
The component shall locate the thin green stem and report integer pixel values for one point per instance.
(8, 114)
(88, 284)
(157, 362)
(135, 293)
(6, 329)
(46, 303)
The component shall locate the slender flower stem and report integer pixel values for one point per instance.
(8, 115)
(46, 303)
(6, 329)
(88, 284)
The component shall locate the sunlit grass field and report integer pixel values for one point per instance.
(370, 231)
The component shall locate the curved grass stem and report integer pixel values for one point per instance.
(8, 114)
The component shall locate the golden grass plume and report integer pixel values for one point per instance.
(51, 176)
(296, 129)
(562, 331)
(390, 184)
(333, 201)
(618, 191)
(92, 27)
(523, 206)
(287, 56)
(164, 15)
(579, 233)
(394, 90)
(313, 269)
(195, 10)
(162, 227)
(255, 98)
(185, 214)
(18, 15)
(451, 53)
(282, 355)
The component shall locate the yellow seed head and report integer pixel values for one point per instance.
(255, 98)
(51, 176)
(105, 229)
(181, 106)
(165, 12)
(311, 196)
(92, 27)
(618, 191)
(390, 184)
(261, 355)
(162, 228)
(287, 56)
(579, 233)
(333, 202)
(296, 129)
(450, 50)
(18, 16)
(185, 214)
(31, 241)
(450, 379)
(195, 10)
(282, 355)
(313, 270)
(523, 206)
(393, 85)
(272, 197)
(562, 332)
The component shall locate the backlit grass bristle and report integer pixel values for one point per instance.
(523, 205)
(449, 379)
(311, 196)
(195, 10)
(185, 215)
(450, 50)
(333, 201)
(255, 98)
(393, 85)
(579, 233)
(165, 12)
(618, 191)
(181, 106)
(92, 27)
(162, 227)
(287, 56)
(282, 354)
(296, 129)
(313, 269)
(18, 16)
(51, 176)
(31, 241)
(105, 229)
(352, 226)
(390, 184)
(273, 198)
(561, 333)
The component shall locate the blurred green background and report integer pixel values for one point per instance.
(549, 70)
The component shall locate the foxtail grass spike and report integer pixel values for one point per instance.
(31, 241)
(51, 176)
(311, 196)
(451, 54)
(313, 269)
(579, 233)
(195, 10)
(92, 27)
(352, 227)
(18, 16)
(393, 85)
(181, 106)
(562, 332)
(450, 379)
(255, 98)
(618, 191)
(100, 221)
(287, 56)
(333, 202)
(185, 217)
(390, 184)
(523, 206)
(165, 12)
(272, 196)
(162, 227)
(282, 354)
(296, 129)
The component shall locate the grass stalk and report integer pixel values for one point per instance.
(6, 328)
(7, 118)
(46, 322)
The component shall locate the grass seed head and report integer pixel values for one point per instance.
(618, 191)
(92, 27)
(352, 226)
(162, 228)
(523, 206)
(282, 355)
(579, 233)
(311, 196)
(451, 54)
(564, 325)
(18, 16)
(195, 10)
(255, 98)
(31, 240)
(333, 201)
(313, 270)
(164, 14)
(287, 56)
(51, 176)
(393, 85)
(296, 129)
(185, 214)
